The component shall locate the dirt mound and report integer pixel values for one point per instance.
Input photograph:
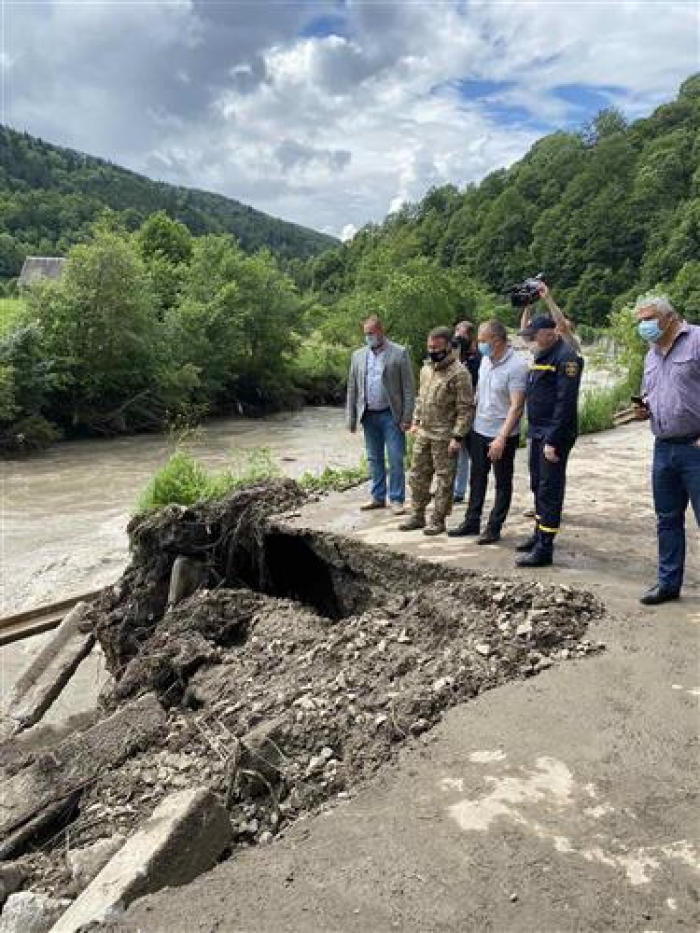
(301, 663)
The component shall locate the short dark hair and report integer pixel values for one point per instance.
(441, 333)
(469, 329)
(496, 329)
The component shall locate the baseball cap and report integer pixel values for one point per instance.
(539, 322)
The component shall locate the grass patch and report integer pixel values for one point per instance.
(11, 310)
(184, 481)
(597, 407)
(334, 479)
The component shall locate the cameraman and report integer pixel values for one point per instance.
(564, 328)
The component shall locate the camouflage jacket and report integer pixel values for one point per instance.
(445, 404)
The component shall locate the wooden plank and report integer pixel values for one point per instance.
(40, 619)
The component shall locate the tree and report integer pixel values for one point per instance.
(163, 238)
(99, 334)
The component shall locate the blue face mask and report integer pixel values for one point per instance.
(485, 349)
(649, 330)
(372, 341)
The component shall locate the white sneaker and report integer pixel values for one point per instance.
(397, 508)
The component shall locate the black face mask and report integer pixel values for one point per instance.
(437, 356)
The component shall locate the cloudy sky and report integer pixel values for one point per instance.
(331, 112)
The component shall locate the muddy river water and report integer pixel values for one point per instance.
(64, 512)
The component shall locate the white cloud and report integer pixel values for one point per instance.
(334, 130)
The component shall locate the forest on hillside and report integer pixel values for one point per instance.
(154, 325)
(50, 197)
(606, 213)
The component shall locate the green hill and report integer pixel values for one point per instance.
(605, 213)
(49, 196)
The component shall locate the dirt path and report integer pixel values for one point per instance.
(567, 802)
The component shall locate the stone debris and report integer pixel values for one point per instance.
(298, 666)
(27, 912)
(84, 864)
(183, 838)
(79, 760)
(12, 877)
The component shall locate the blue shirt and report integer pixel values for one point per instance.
(375, 393)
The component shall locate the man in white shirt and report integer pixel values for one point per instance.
(496, 431)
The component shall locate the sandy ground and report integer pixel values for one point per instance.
(563, 803)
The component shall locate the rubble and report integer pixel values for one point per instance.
(77, 761)
(84, 864)
(183, 838)
(12, 877)
(27, 912)
(289, 665)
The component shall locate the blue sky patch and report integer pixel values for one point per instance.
(320, 26)
(588, 99)
(476, 89)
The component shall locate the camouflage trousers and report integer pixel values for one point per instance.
(431, 458)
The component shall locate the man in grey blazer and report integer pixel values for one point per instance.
(381, 395)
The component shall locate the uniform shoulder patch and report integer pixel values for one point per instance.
(571, 368)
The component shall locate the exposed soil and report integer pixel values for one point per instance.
(300, 665)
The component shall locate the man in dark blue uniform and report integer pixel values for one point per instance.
(552, 414)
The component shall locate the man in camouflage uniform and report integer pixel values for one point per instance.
(442, 418)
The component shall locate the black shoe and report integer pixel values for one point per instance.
(489, 537)
(528, 545)
(536, 558)
(657, 595)
(458, 498)
(461, 531)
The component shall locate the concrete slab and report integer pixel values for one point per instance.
(183, 838)
(48, 673)
(78, 760)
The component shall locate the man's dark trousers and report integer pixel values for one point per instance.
(478, 481)
(676, 482)
(549, 485)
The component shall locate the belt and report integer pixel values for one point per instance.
(687, 439)
(378, 411)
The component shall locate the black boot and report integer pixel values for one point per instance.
(490, 536)
(530, 544)
(538, 557)
(464, 529)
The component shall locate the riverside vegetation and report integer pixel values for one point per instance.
(153, 324)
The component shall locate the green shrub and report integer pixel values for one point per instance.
(11, 312)
(184, 481)
(334, 478)
(597, 407)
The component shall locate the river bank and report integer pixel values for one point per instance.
(64, 512)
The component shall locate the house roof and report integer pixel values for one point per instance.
(41, 267)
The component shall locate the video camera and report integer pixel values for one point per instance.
(527, 292)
